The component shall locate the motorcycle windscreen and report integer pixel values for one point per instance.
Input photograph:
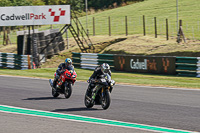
(71, 68)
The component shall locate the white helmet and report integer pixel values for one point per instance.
(105, 68)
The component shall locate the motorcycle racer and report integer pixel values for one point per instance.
(99, 70)
(61, 68)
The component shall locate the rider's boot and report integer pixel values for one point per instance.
(94, 91)
(54, 81)
(89, 91)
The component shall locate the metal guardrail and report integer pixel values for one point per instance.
(187, 66)
(14, 61)
(92, 60)
(198, 67)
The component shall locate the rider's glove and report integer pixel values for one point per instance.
(88, 80)
(62, 71)
(58, 72)
(92, 80)
(57, 76)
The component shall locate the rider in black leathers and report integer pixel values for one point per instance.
(100, 70)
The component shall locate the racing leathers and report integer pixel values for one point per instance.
(60, 70)
(95, 76)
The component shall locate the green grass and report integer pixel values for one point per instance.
(119, 77)
(161, 9)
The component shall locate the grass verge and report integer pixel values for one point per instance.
(119, 77)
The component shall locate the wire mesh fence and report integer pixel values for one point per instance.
(108, 25)
(121, 25)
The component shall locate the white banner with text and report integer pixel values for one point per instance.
(34, 15)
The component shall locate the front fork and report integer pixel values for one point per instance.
(103, 92)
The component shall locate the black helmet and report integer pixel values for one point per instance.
(105, 68)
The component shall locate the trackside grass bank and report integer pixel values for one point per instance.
(119, 77)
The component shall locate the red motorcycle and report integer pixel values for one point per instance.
(64, 83)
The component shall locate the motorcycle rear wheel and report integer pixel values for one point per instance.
(68, 90)
(105, 101)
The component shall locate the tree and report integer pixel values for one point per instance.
(77, 5)
(21, 2)
(5, 3)
(37, 2)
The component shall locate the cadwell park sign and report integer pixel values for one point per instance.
(34, 15)
(145, 64)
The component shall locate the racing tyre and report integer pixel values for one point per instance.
(105, 103)
(87, 100)
(68, 90)
(54, 92)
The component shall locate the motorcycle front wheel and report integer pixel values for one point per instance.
(54, 92)
(68, 90)
(87, 100)
(105, 101)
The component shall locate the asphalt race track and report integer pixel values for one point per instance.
(154, 106)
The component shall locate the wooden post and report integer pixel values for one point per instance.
(167, 30)
(155, 22)
(126, 23)
(180, 33)
(29, 62)
(180, 23)
(144, 30)
(109, 26)
(93, 26)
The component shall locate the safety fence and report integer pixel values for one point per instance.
(198, 67)
(171, 65)
(187, 66)
(92, 60)
(139, 24)
(14, 61)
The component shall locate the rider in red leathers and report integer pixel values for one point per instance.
(61, 68)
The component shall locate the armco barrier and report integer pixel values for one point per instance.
(183, 66)
(92, 60)
(14, 61)
(198, 67)
(187, 66)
